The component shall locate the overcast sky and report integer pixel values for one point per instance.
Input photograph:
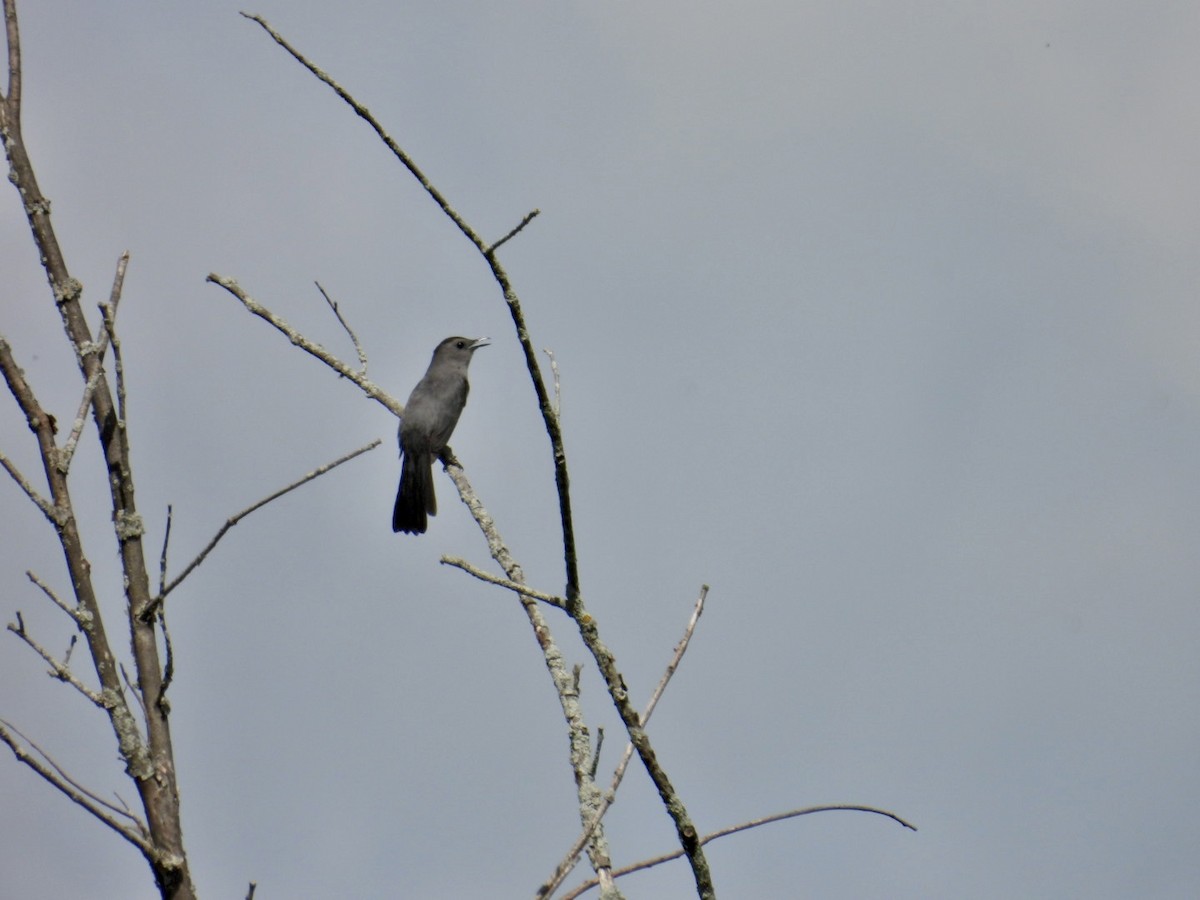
(879, 318)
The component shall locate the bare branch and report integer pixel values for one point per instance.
(358, 348)
(169, 665)
(557, 383)
(99, 348)
(114, 295)
(58, 670)
(85, 404)
(237, 517)
(134, 689)
(70, 649)
(595, 767)
(568, 862)
(368, 387)
(40, 423)
(148, 762)
(521, 589)
(162, 558)
(39, 501)
(529, 217)
(366, 115)
(110, 328)
(733, 829)
(566, 683)
(13, 34)
(46, 767)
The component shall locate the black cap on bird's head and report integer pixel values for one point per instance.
(460, 346)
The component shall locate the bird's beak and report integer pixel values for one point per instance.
(482, 342)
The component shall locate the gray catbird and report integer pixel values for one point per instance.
(430, 415)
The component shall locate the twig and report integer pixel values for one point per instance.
(162, 558)
(68, 450)
(135, 690)
(595, 767)
(54, 774)
(237, 517)
(169, 665)
(358, 348)
(368, 387)
(513, 586)
(114, 295)
(54, 598)
(99, 347)
(568, 861)
(529, 217)
(566, 683)
(733, 829)
(557, 384)
(39, 501)
(70, 649)
(405, 159)
(37, 420)
(58, 669)
(110, 328)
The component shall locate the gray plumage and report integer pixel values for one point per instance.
(429, 418)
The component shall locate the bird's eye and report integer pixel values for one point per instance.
(460, 344)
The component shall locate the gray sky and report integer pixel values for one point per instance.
(879, 318)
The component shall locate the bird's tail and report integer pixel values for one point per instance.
(415, 497)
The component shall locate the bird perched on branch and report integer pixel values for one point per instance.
(429, 418)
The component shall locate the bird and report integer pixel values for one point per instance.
(429, 418)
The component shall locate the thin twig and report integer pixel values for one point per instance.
(36, 418)
(58, 669)
(358, 348)
(595, 767)
(557, 383)
(70, 649)
(523, 590)
(85, 404)
(733, 829)
(54, 598)
(237, 517)
(135, 690)
(50, 761)
(529, 217)
(39, 501)
(281, 325)
(568, 861)
(114, 295)
(110, 327)
(162, 558)
(13, 99)
(169, 665)
(99, 347)
(406, 160)
(54, 774)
